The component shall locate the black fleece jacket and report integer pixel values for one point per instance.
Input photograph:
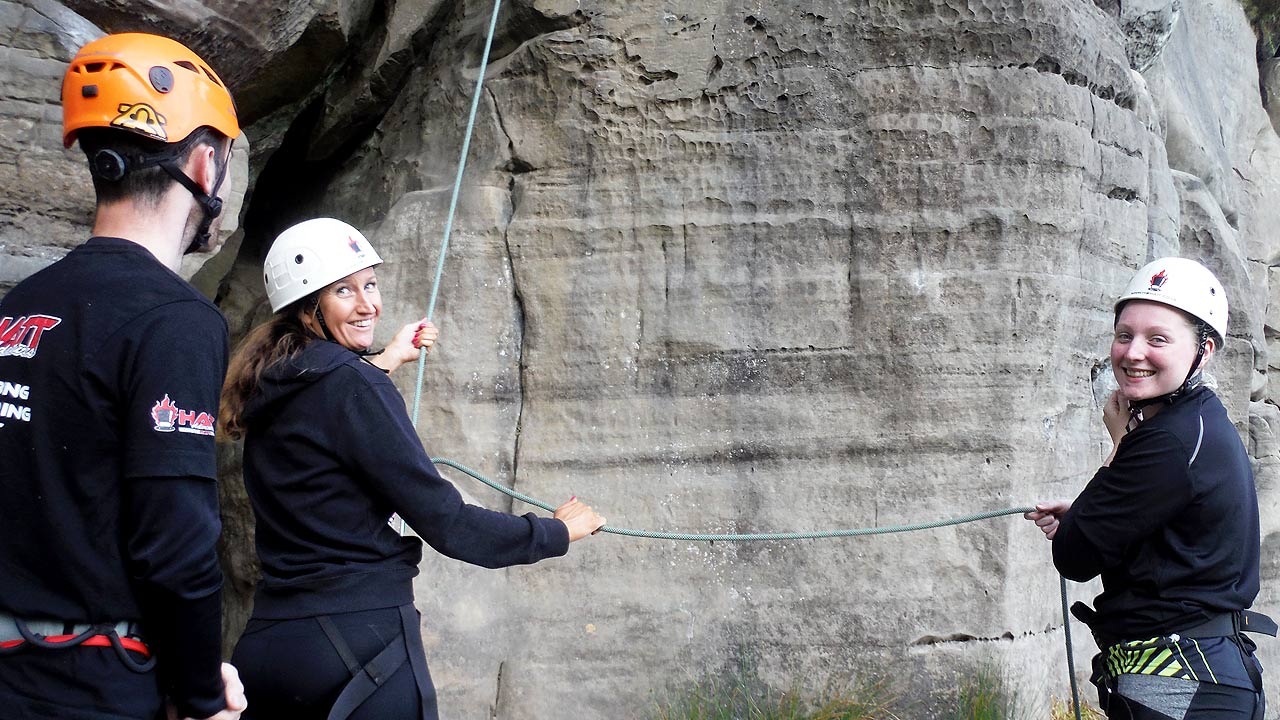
(330, 454)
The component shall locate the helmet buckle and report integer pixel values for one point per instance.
(108, 165)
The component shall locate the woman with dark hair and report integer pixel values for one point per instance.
(329, 456)
(1170, 521)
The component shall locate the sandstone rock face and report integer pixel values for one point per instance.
(43, 209)
(752, 267)
(1270, 71)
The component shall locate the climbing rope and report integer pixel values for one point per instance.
(453, 199)
(691, 537)
(1071, 655)
(741, 537)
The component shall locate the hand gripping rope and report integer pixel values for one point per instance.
(690, 537)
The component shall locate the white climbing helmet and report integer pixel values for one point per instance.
(1184, 284)
(312, 254)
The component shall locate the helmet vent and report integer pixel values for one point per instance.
(209, 74)
(297, 259)
(89, 91)
(97, 67)
(187, 64)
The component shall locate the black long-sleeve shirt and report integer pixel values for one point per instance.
(110, 370)
(1171, 525)
(329, 454)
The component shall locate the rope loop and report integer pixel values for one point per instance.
(742, 537)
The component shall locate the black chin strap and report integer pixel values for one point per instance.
(1194, 378)
(319, 316)
(211, 206)
(324, 330)
(110, 165)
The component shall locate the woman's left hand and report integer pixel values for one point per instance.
(404, 346)
(579, 518)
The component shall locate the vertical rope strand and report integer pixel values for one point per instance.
(1071, 656)
(453, 201)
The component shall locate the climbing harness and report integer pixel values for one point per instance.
(692, 537)
(18, 635)
(1180, 654)
(367, 678)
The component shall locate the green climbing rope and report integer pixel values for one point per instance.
(742, 537)
(453, 199)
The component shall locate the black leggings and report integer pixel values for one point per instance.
(291, 669)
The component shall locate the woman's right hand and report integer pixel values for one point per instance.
(1047, 514)
(1115, 415)
(579, 518)
(404, 347)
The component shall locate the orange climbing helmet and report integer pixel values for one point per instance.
(146, 84)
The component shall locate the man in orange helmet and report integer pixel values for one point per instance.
(110, 370)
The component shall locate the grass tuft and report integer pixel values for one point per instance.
(985, 696)
(1062, 710)
(744, 699)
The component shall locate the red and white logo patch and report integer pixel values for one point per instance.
(169, 417)
(20, 337)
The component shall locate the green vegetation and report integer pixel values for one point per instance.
(742, 696)
(982, 696)
(1061, 710)
(985, 696)
(1264, 16)
(739, 700)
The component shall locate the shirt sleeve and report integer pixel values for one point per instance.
(172, 365)
(172, 526)
(174, 361)
(385, 449)
(1145, 486)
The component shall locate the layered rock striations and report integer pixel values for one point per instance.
(744, 268)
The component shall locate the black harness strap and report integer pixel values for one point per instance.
(1230, 624)
(339, 644)
(366, 679)
(418, 659)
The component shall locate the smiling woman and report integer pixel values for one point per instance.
(329, 455)
(347, 311)
(1155, 350)
(1170, 521)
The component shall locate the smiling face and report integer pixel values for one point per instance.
(350, 307)
(1152, 350)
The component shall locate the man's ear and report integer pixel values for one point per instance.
(202, 166)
